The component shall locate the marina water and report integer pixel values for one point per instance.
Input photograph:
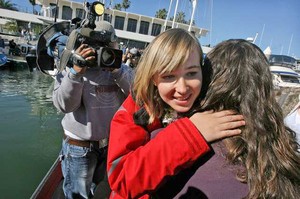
(30, 131)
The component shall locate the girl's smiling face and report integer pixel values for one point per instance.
(180, 88)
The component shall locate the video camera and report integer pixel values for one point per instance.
(57, 44)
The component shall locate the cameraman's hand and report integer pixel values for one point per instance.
(87, 53)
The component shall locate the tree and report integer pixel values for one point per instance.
(11, 26)
(8, 5)
(32, 2)
(118, 6)
(126, 4)
(193, 23)
(161, 14)
(180, 17)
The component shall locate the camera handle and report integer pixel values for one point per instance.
(79, 60)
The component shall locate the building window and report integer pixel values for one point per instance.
(132, 44)
(156, 28)
(107, 17)
(53, 10)
(80, 13)
(144, 27)
(119, 23)
(131, 26)
(66, 13)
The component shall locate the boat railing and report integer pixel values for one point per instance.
(48, 186)
(282, 60)
(284, 64)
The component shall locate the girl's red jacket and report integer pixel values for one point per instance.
(138, 165)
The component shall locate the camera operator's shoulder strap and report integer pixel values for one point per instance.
(46, 62)
(70, 46)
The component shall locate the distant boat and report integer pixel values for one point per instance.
(31, 59)
(3, 59)
(16, 60)
(283, 68)
(285, 77)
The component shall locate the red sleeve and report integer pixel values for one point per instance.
(137, 165)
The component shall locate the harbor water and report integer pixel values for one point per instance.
(30, 131)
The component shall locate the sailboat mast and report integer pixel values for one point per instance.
(290, 44)
(211, 21)
(262, 33)
(165, 25)
(255, 38)
(173, 24)
(194, 3)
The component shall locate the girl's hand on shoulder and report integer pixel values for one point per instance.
(217, 125)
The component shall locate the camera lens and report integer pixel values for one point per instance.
(108, 57)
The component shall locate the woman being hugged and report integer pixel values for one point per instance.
(241, 80)
(166, 89)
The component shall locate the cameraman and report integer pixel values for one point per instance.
(89, 97)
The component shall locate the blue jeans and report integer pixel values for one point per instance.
(78, 167)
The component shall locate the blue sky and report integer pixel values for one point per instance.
(277, 22)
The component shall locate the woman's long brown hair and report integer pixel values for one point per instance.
(240, 79)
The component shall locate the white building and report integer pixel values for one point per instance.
(133, 30)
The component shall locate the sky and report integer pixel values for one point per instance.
(275, 22)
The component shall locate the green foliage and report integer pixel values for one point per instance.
(180, 18)
(118, 6)
(11, 26)
(126, 4)
(193, 23)
(8, 5)
(37, 29)
(161, 14)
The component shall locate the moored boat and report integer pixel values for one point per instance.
(282, 68)
(285, 77)
(31, 59)
(3, 59)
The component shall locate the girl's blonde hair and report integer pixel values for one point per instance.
(165, 53)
